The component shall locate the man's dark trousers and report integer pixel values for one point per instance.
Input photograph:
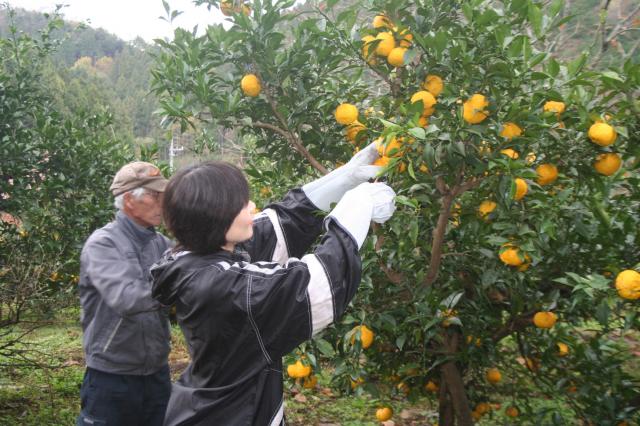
(124, 400)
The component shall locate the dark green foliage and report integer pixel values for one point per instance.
(54, 179)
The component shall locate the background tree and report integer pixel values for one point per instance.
(54, 179)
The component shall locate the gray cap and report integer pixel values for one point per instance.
(135, 175)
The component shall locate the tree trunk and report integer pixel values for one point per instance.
(445, 408)
(457, 394)
(454, 405)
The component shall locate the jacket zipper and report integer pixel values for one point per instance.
(113, 333)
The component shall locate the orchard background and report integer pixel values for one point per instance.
(506, 277)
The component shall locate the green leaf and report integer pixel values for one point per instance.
(576, 65)
(417, 132)
(602, 314)
(451, 300)
(555, 8)
(325, 347)
(400, 341)
(535, 18)
(552, 67)
(405, 201)
(612, 75)
(467, 10)
(440, 41)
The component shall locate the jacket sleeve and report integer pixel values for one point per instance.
(285, 229)
(288, 304)
(117, 276)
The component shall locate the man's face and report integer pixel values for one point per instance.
(145, 210)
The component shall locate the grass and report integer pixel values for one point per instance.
(33, 396)
(36, 396)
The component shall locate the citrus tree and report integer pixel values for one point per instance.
(508, 268)
(54, 181)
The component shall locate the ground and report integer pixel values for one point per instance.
(34, 396)
(37, 396)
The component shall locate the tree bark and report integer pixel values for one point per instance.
(456, 391)
(445, 408)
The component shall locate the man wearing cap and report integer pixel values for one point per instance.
(126, 332)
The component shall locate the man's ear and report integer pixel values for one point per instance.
(127, 199)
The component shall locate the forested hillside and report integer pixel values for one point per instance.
(94, 71)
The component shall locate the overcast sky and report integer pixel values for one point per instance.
(128, 18)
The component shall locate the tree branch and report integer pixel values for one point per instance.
(449, 196)
(291, 136)
(513, 325)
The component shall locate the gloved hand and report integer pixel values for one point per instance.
(331, 187)
(361, 205)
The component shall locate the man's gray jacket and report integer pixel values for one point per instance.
(125, 330)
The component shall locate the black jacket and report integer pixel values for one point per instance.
(239, 317)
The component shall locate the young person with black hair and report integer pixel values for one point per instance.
(248, 290)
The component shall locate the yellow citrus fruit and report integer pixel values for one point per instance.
(353, 130)
(433, 84)
(384, 413)
(310, 382)
(381, 21)
(493, 376)
(510, 131)
(509, 255)
(521, 189)
(474, 109)
(346, 114)
(607, 163)
(553, 106)
(403, 387)
(226, 7)
(482, 408)
(547, 173)
(428, 101)
(510, 153)
(250, 85)
(366, 336)
(512, 412)
(526, 264)
(396, 56)
(486, 207)
(545, 319)
(602, 134)
(628, 284)
(367, 44)
(530, 158)
(298, 370)
(386, 45)
(402, 167)
(407, 38)
(431, 386)
(423, 168)
(357, 382)
(563, 349)
(423, 121)
(382, 161)
(392, 149)
(265, 190)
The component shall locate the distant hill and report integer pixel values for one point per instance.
(93, 70)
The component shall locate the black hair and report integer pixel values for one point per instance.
(201, 202)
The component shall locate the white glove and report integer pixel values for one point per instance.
(361, 205)
(331, 187)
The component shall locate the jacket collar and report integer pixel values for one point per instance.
(237, 256)
(138, 233)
